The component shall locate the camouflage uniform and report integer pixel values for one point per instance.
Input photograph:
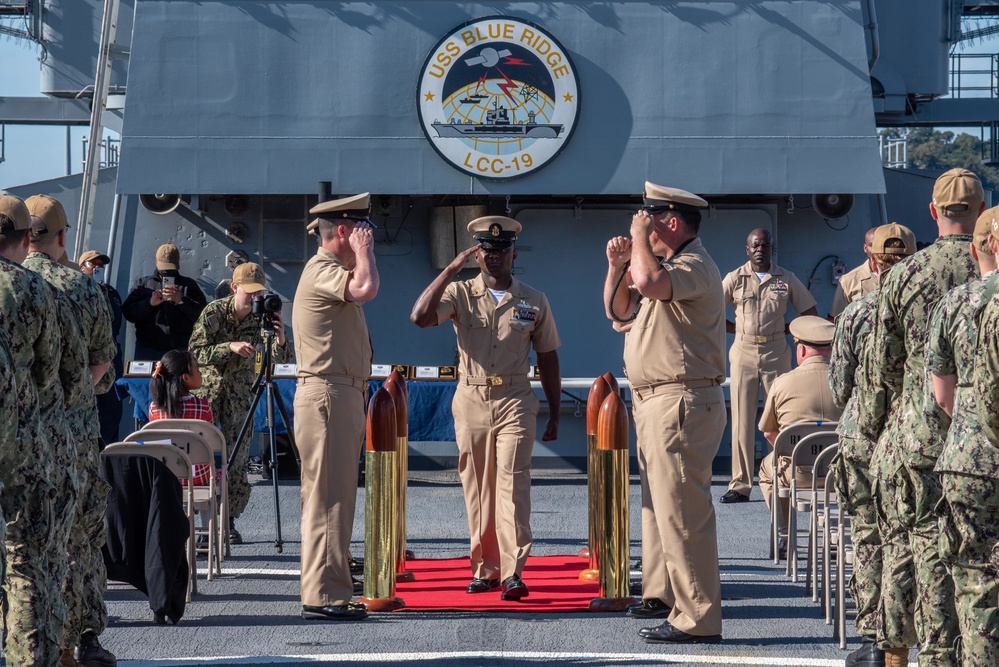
(853, 476)
(93, 345)
(227, 381)
(907, 489)
(8, 424)
(29, 499)
(969, 467)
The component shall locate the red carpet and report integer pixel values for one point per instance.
(553, 581)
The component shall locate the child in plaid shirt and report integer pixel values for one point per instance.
(176, 374)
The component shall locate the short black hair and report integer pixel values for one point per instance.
(10, 236)
(690, 219)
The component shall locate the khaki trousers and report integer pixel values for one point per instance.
(495, 429)
(679, 430)
(329, 428)
(752, 367)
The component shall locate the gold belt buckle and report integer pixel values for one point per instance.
(494, 381)
(760, 340)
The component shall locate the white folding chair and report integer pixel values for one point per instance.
(198, 452)
(818, 518)
(177, 461)
(216, 440)
(843, 542)
(784, 445)
(802, 461)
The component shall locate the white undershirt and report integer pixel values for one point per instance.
(761, 276)
(498, 294)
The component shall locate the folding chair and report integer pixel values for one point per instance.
(818, 517)
(204, 495)
(216, 440)
(784, 444)
(844, 559)
(801, 499)
(180, 465)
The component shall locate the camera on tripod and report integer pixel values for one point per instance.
(263, 307)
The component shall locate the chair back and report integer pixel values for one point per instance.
(173, 458)
(192, 444)
(209, 432)
(790, 435)
(822, 465)
(810, 447)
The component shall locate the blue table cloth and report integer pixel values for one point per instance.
(430, 417)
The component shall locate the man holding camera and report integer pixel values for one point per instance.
(225, 341)
(673, 312)
(163, 307)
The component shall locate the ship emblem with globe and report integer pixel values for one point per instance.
(499, 110)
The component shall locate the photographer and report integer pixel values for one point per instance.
(224, 342)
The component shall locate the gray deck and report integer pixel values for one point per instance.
(250, 615)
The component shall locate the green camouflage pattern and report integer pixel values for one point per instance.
(853, 329)
(29, 320)
(985, 388)
(854, 486)
(227, 381)
(970, 539)
(84, 579)
(905, 453)
(951, 351)
(898, 576)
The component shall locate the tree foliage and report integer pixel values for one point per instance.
(941, 150)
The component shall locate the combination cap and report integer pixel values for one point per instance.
(250, 277)
(167, 257)
(958, 193)
(50, 213)
(893, 230)
(357, 207)
(659, 196)
(494, 232)
(812, 330)
(14, 208)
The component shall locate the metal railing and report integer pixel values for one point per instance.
(894, 152)
(109, 151)
(974, 75)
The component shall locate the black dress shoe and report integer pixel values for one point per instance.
(782, 548)
(734, 497)
(667, 634)
(514, 588)
(482, 585)
(358, 586)
(868, 655)
(649, 608)
(356, 566)
(352, 611)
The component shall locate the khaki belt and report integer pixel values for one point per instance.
(492, 380)
(660, 386)
(760, 340)
(342, 380)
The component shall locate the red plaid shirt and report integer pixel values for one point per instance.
(192, 408)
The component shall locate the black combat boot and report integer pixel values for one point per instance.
(90, 653)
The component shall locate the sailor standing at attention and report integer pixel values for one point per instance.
(334, 361)
(761, 292)
(673, 316)
(497, 319)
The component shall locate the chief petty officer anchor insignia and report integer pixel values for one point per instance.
(498, 98)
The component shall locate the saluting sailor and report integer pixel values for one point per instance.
(497, 319)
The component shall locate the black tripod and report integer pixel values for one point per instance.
(265, 384)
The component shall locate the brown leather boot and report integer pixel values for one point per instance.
(67, 659)
(897, 657)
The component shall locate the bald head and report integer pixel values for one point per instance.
(760, 249)
(868, 241)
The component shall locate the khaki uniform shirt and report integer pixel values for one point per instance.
(760, 305)
(800, 395)
(331, 334)
(846, 377)
(950, 350)
(494, 339)
(683, 338)
(858, 283)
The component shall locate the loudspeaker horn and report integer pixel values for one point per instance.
(832, 206)
(160, 204)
